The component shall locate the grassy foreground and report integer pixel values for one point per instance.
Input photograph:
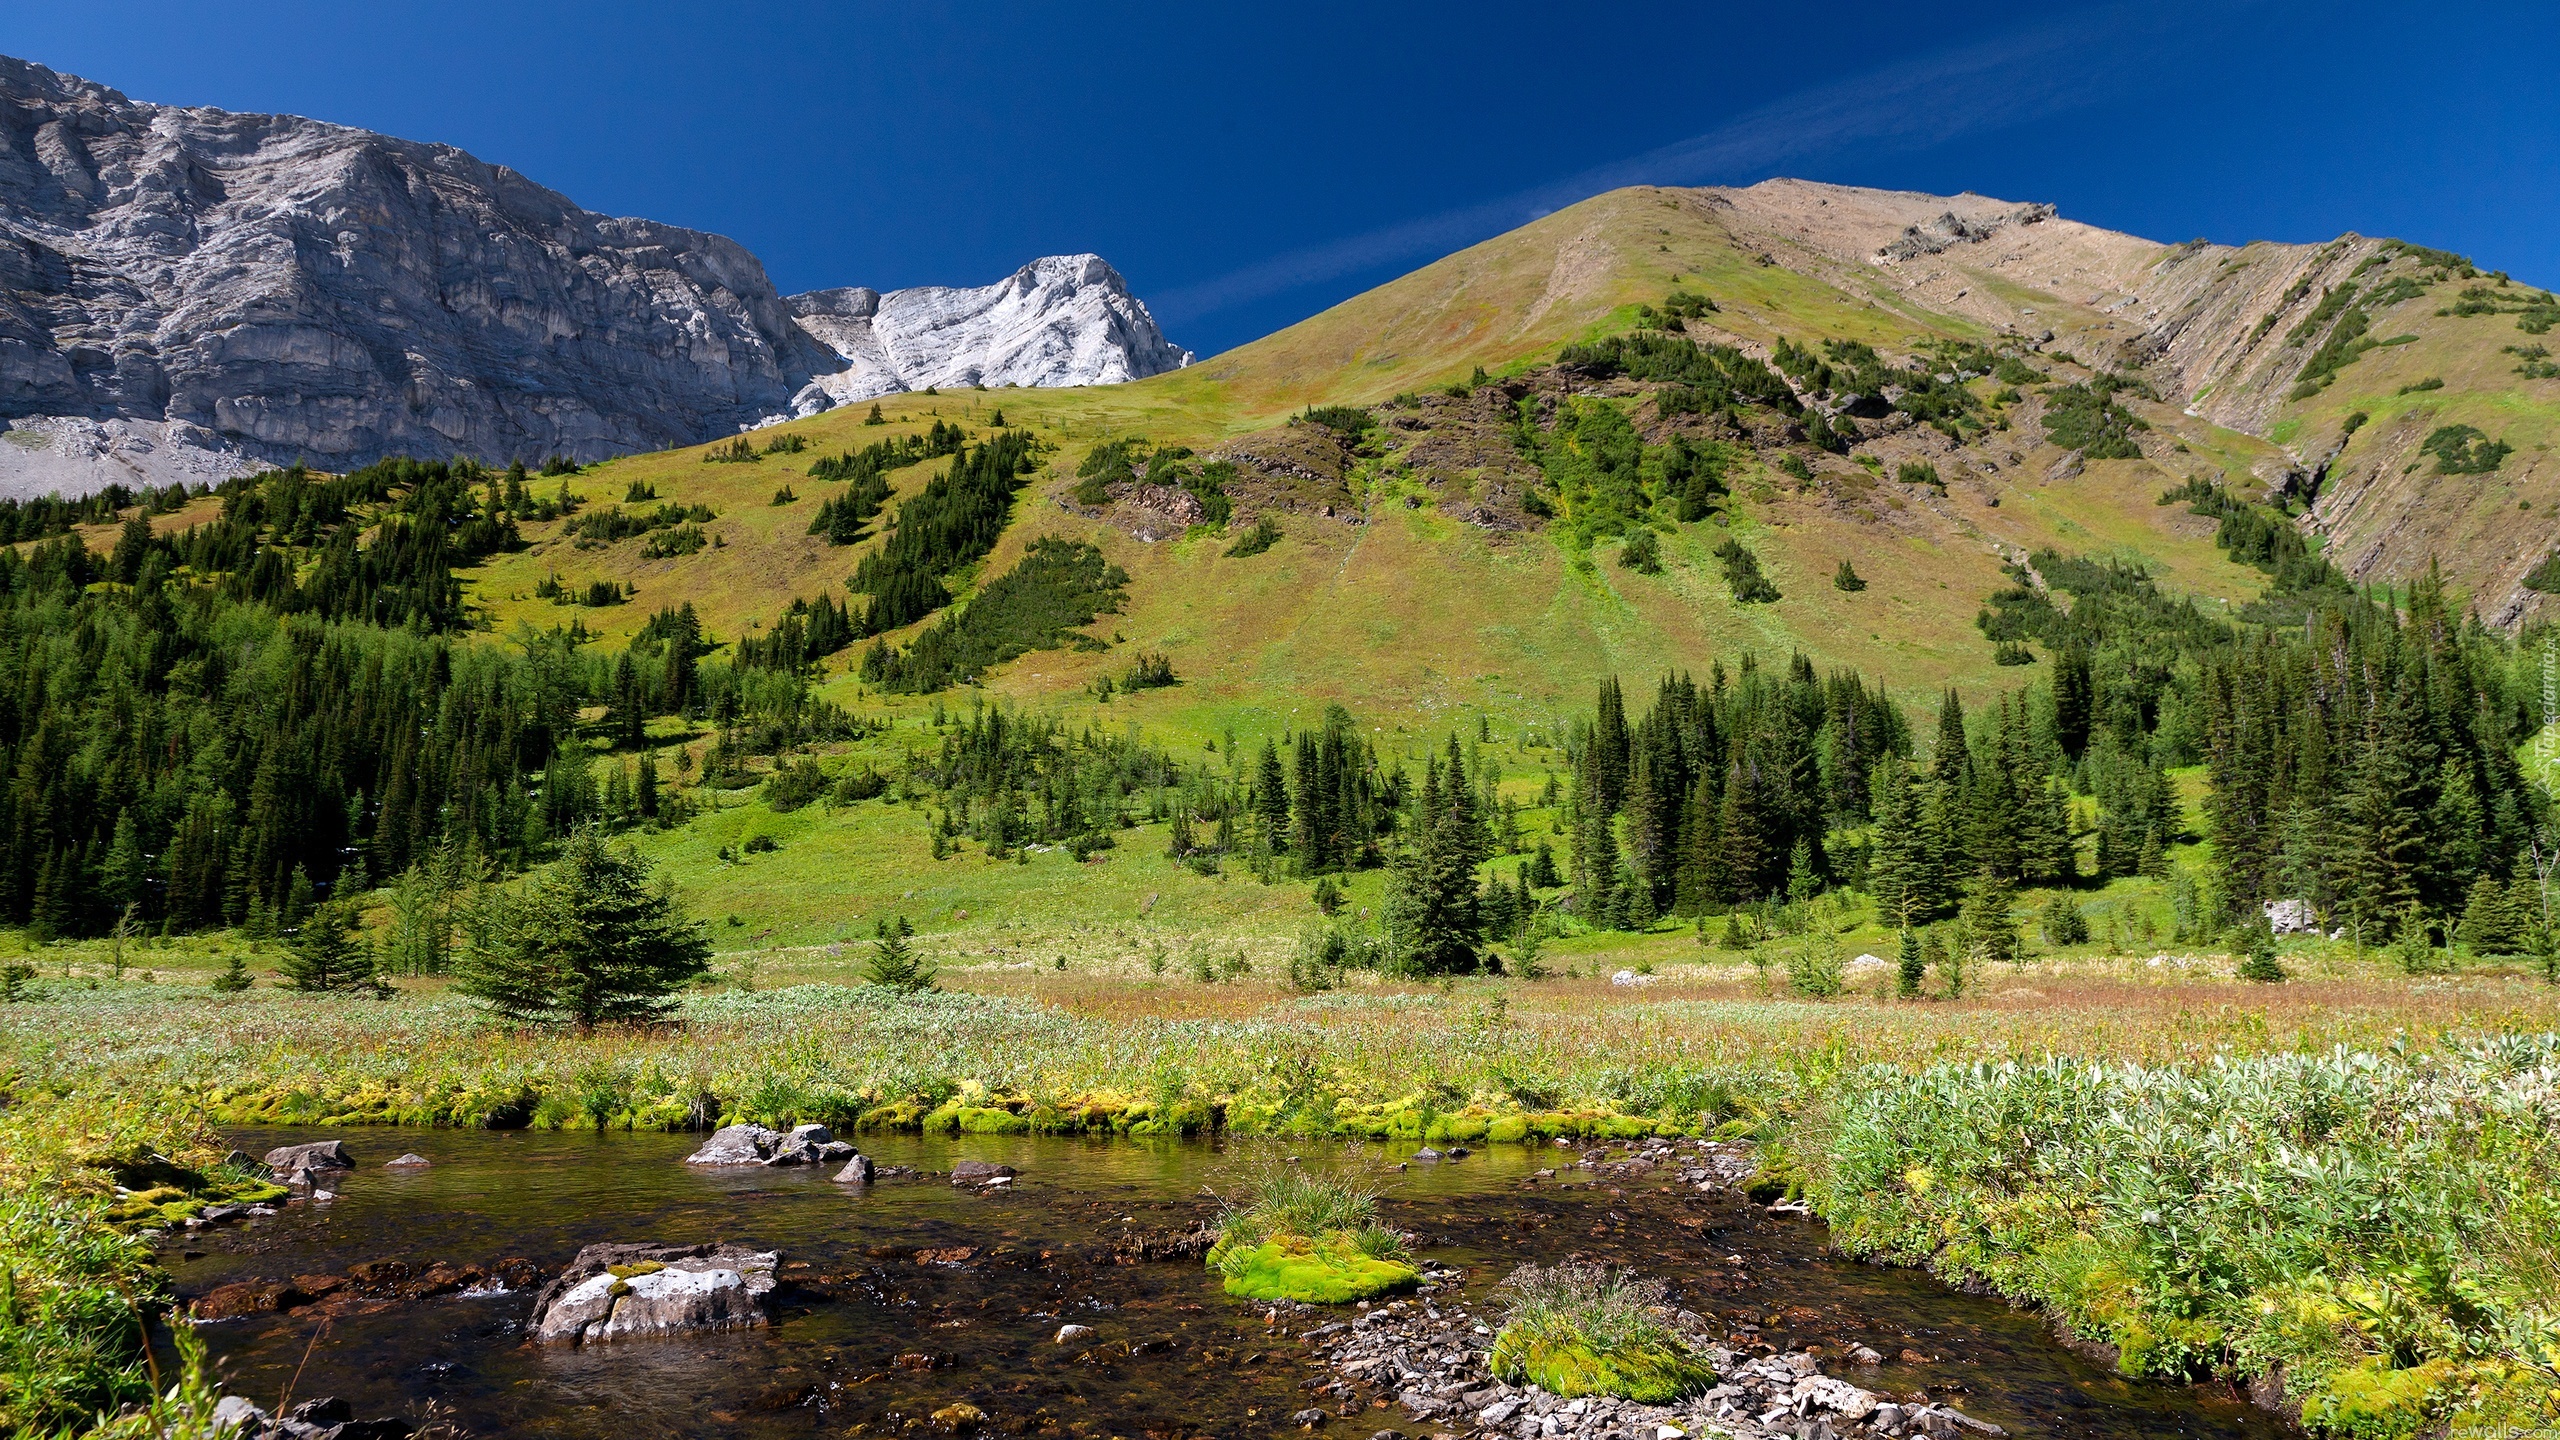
(2346, 1176)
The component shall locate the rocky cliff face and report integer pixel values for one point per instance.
(188, 291)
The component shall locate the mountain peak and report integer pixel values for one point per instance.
(1059, 320)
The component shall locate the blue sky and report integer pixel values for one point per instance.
(1247, 166)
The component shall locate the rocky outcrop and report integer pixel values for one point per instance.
(615, 1292)
(188, 292)
(1061, 320)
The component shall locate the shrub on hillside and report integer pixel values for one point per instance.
(2464, 450)
(1264, 534)
(1742, 574)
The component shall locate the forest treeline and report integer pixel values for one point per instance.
(222, 726)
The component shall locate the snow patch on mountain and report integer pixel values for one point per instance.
(1060, 320)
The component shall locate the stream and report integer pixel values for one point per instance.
(913, 1294)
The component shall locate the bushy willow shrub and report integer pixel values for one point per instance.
(2383, 1227)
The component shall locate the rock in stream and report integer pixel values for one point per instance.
(756, 1145)
(614, 1292)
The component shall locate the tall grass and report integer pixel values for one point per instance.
(2380, 1227)
(76, 1291)
(1311, 1204)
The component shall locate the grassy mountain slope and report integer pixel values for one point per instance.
(1410, 585)
(1394, 605)
(2285, 342)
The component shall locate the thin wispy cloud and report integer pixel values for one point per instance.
(2025, 75)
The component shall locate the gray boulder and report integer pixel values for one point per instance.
(736, 1145)
(808, 1145)
(318, 1155)
(857, 1171)
(616, 1292)
(756, 1145)
(979, 1172)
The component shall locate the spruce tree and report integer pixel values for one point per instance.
(1802, 880)
(2258, 962)
(120, 881)
(2487, 926)
(1542, 873)
(594, 940)
(895, 964)
(1952, 764)
(1898, 862)
(1912, 968)
(1694, 893)
(327, 954)
(1271, 797)
(1595, 873)
(1610, 756)
(298, 899)
(2074, 700)
(1990, 928)
(233, 979)
(1439, 879)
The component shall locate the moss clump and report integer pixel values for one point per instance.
(1309, 1237)
(1570, 1367)
(1578, 1330)
(623, 1275)
(1332, 1271)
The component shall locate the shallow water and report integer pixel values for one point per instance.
(1204, 1364)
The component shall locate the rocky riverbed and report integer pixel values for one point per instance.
(1427, 1360)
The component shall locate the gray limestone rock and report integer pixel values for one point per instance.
(614, 1292)
(749, 1144)
(736, 1145)
(317, 1155)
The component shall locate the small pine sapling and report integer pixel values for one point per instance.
(2258, 962)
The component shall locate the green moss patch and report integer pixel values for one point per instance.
(1330, 1271)
(1655, 1373)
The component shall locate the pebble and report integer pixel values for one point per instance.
(1072, 1332)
